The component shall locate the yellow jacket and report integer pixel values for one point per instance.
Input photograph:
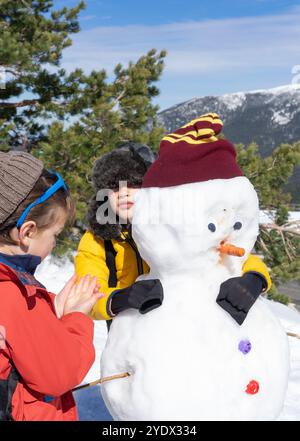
(90, 259)
(91, 256)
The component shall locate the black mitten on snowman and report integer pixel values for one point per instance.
(237, 295)
(144, 295)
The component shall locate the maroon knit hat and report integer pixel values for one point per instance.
(193, 154)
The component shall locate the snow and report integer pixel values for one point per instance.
(281, 119)
(236, 99)
(288, 88)
(275, 91)
(190, 337)
(54, 274)
(267, 217)
(233, 100)
(290, 320)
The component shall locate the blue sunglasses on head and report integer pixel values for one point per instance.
(48, 193)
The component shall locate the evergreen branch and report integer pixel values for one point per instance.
(27, 6)
(257, 172)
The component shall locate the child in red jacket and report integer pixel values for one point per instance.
(46, 344)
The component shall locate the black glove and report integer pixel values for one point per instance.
(144, 295)
(237, 295)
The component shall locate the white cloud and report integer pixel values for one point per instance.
(87, 17)
(203, 56)
(193, 46)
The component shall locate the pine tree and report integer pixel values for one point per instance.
(32, 38)
(120, 111)
(92, 114)
(279, 240)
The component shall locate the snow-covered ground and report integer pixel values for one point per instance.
(267, 217)
(54, 274)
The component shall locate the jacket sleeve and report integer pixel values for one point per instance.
(255, 264)
(51, 355)
(90, 259)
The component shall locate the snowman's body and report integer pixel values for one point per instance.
(184, 357)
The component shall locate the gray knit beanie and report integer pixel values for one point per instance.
(19, 172)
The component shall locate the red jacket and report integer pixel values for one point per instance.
(51, 355)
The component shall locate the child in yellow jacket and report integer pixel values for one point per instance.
(108, 251)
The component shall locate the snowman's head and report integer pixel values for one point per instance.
(181, 228)
(194, 200)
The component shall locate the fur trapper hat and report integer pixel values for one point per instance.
(127, 163)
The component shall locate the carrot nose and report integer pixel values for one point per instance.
(231, 250)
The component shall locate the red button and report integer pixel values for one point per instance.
(252, 387)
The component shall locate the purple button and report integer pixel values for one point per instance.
(245, 346)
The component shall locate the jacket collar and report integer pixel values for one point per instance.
(10, 270)
(21, 262)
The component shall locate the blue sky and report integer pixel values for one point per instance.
(213, 47)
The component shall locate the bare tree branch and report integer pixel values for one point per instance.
(264, 246)
(12, 72)
(285, 246)
(284, 228)
(23, 103)
(121, 96)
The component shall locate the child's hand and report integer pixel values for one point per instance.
(61, 297)
(83, 296)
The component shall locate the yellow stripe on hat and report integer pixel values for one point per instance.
(209, 117)
(190, 140)
(200, 132)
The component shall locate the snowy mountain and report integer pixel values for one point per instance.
(268, 117)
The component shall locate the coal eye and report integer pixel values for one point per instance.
(211, 227)
(237, 226)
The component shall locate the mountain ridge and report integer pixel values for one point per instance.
(269, 117)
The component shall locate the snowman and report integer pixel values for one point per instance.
(195, 223)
